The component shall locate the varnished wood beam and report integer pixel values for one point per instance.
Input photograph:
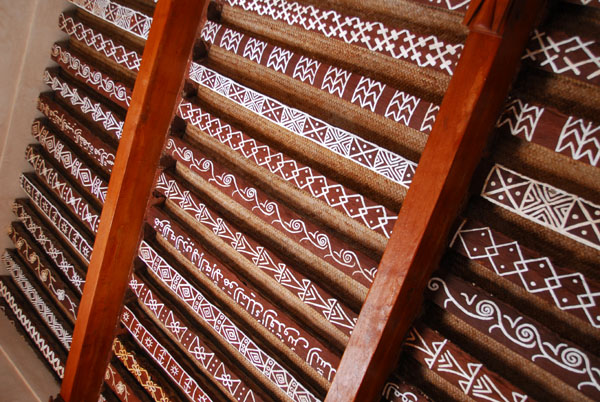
(155, 95)
(499, 30)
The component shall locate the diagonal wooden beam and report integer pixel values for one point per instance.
(499, 30)
(155, 95)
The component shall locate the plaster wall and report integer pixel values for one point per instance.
(27, 30)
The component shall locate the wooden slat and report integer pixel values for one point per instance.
(498, 32)
(156, 92)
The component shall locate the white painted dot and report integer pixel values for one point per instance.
(500, 197)
(502, 266)
(575, 216)
(510, 180)
(474, 248)
(597, 212)
(575, 281)
(584, 232)
(518, 193)
(532, 283)
(511, 249)
(493, 183)
(564, 300)
(482, 234)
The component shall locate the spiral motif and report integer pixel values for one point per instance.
(434, 284)
(527, 334)
(486, 309)
(573, 358)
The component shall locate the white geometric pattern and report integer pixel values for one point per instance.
(582, 138)
(401, 107)
(231, 40)
(306, 69)
(214, 317)
(569, 291)
(343, 143)
(425, 51)
(254, 49)
(572, 55)
(521, 118)
(335, 81)
(367, 93)
(63, 335)
(279, 59)
(32, 332)
(123, 17)
(565, 213)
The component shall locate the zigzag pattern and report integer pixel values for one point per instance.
(37, 302)
(81, 136)
(521, 118)
(96, 110)
(223, 325)
(569, 291)
(581, 139)
(306, 290)
(303, 231)
(460, 369)
(367, 93)
(41, 343)
(562, 54)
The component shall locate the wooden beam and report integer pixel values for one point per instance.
(499, 30)
(155, 96)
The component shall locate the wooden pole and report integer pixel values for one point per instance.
(155, 96)
(499, 30)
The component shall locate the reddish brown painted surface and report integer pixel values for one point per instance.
(153, 103)
(499, 31)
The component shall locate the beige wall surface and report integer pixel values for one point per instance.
(27, 30)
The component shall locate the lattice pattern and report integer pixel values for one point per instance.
(373, 95)
(77, 203)
(140, 373)
(123, 17)
(299, 285)
(565, 213)
(424, 51)
(40, 234)
(441, 356)
(348, 145)
(192, 341)
(303, 231)
(68, 159)
(224, 326)
(562, 53)
(354, 205)
(568, 290)
(162, 356)
(296, 338)
(95, 110)
(53, 323)
(100, 43)
(62, 224)
(48, 278)
(38, 339)
(519, 333)
(81, 136)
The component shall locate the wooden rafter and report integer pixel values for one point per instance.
(499, 30)
(155, 96)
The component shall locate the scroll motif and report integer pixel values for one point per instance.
(306, 290)
(302, 231)
(354, 205)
